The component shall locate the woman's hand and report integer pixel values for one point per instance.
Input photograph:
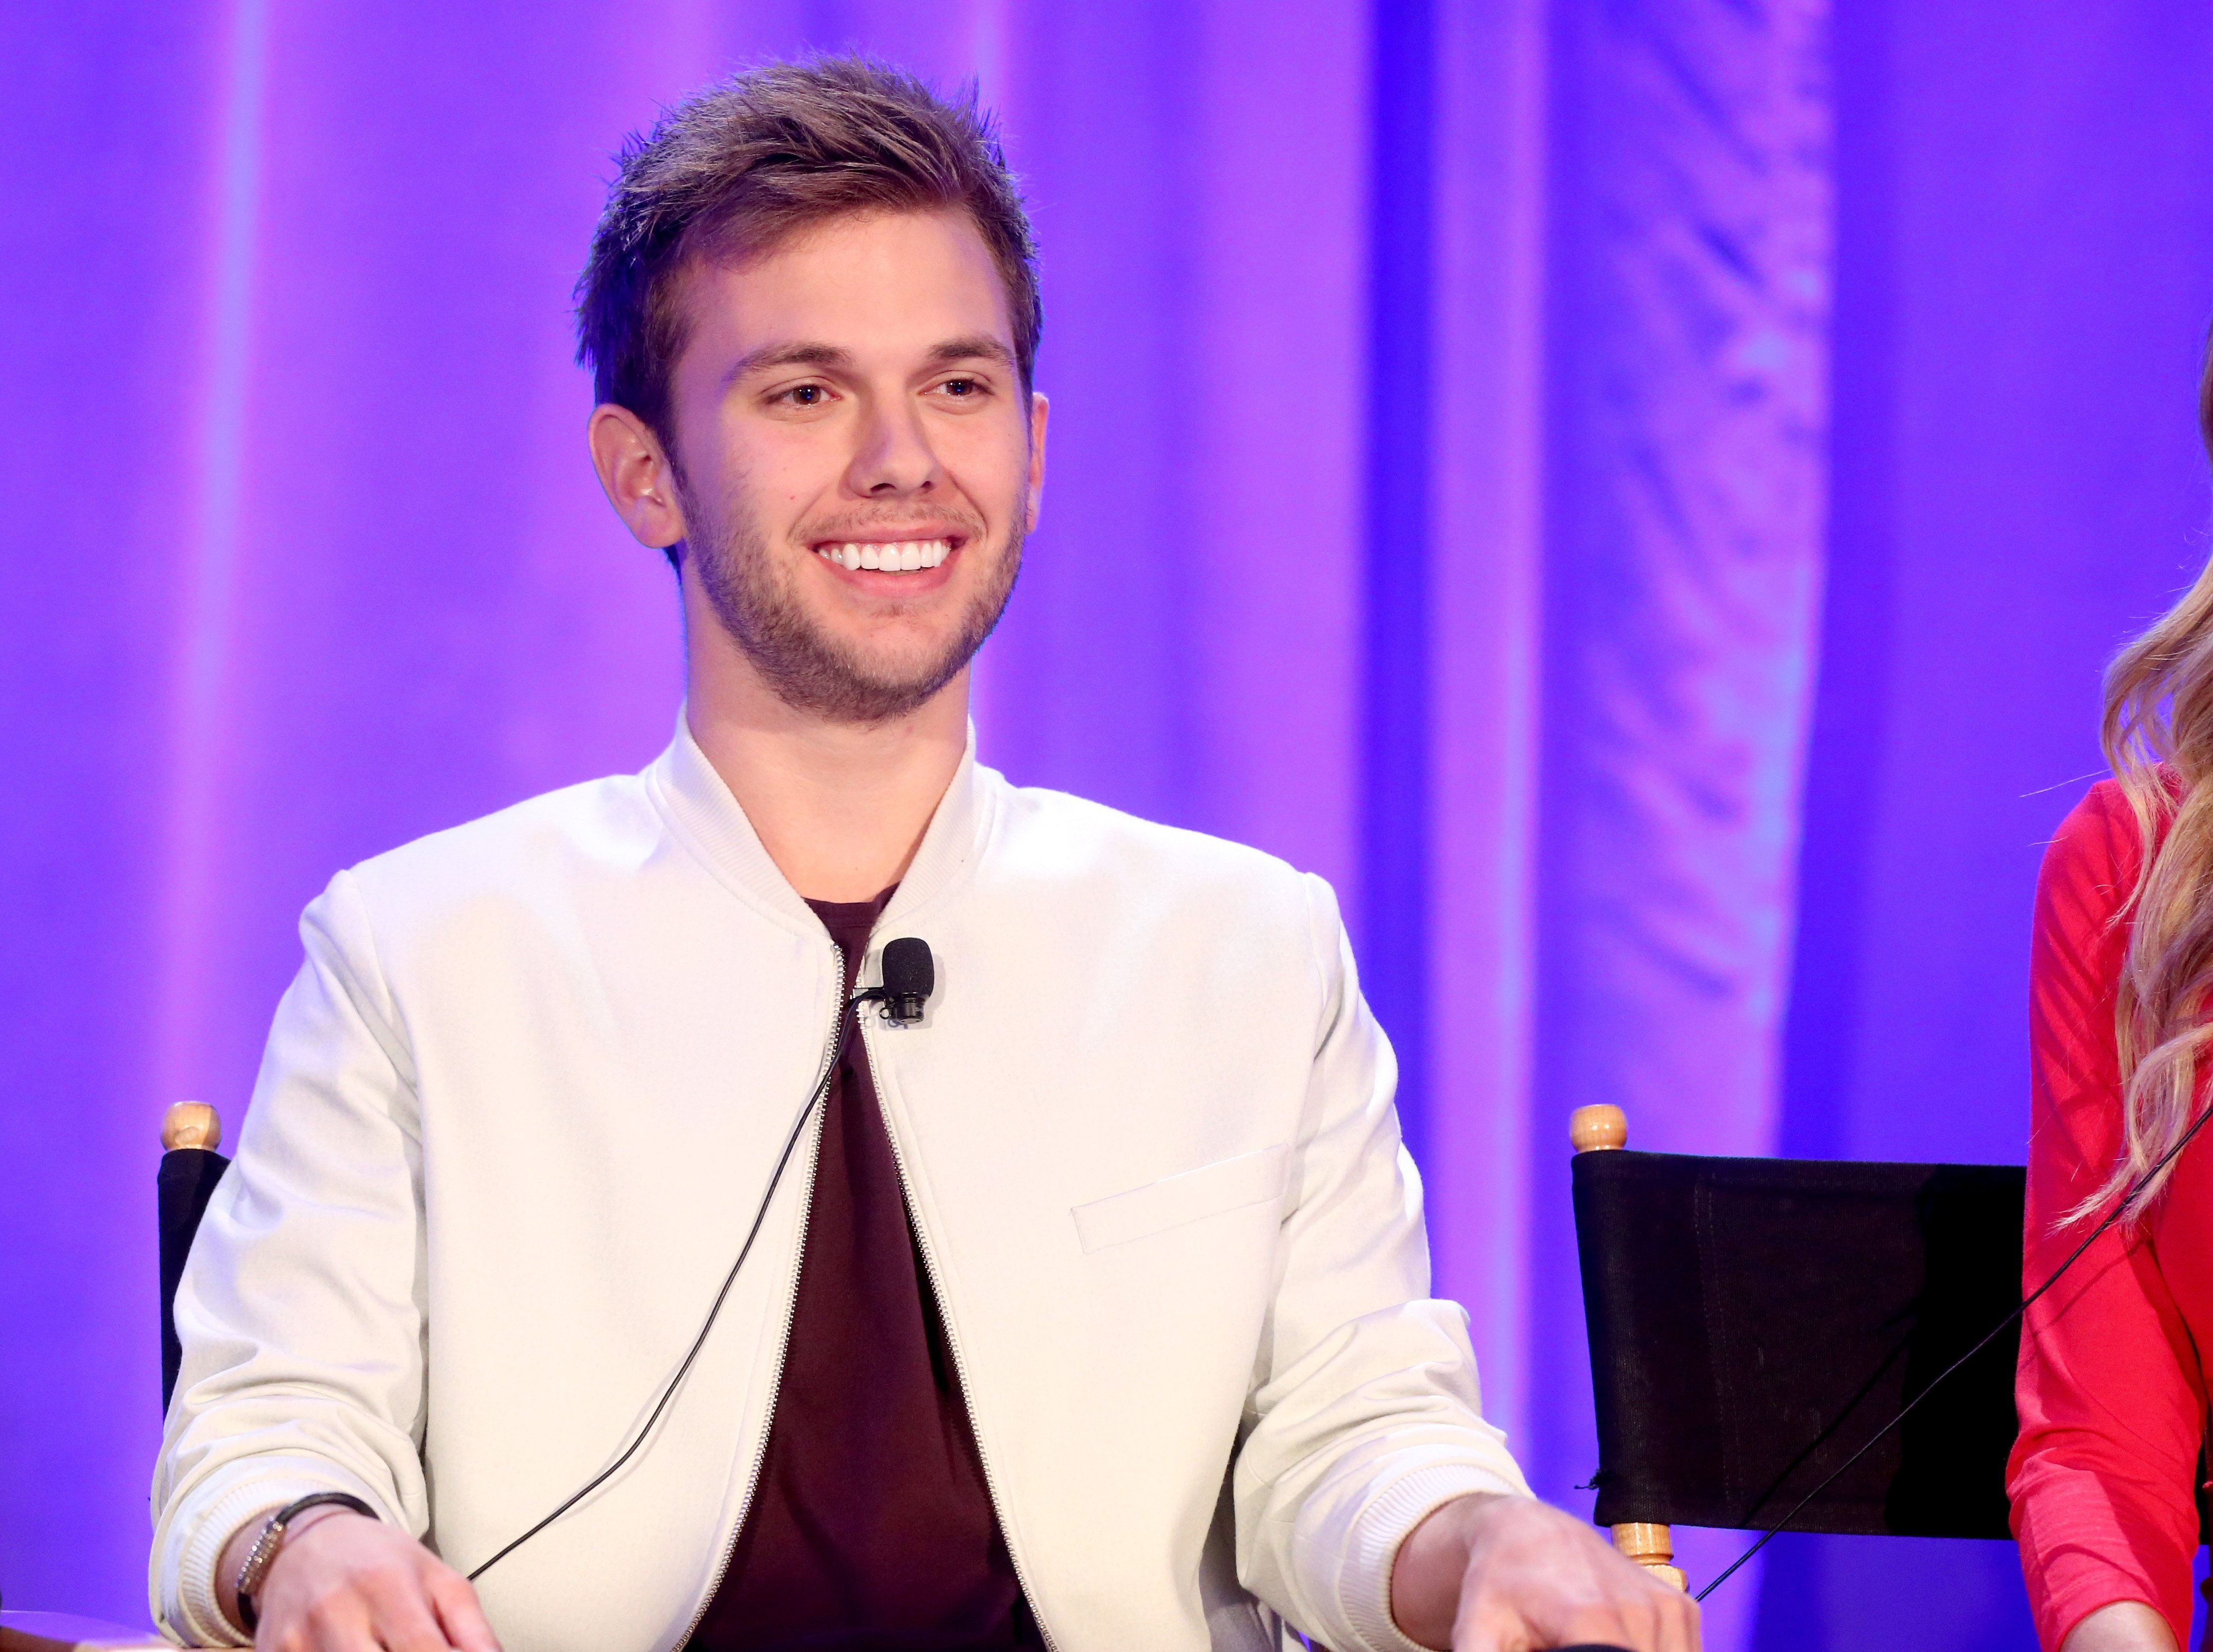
(2124, 1626)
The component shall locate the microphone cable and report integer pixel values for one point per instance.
(668, 1390)
(2127, 1198)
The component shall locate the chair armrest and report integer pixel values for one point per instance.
(54, 1632)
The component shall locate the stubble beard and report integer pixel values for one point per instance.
(753, 598)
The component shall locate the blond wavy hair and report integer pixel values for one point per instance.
(2158, 736)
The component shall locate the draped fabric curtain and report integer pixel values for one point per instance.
(333, 572)
(1439, 497)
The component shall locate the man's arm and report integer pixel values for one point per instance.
(300, 1310)
(1365, 1427)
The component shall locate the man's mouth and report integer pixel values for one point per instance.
(890, 556)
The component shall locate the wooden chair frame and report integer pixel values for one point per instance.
(1602, 1128)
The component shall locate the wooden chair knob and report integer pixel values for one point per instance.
(191, 1123)
(1598, 1128)
(1652, 1547)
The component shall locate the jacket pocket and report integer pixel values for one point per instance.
(1171, 1202)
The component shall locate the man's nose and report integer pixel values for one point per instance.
(894, 456)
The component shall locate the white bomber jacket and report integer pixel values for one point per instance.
(522, 1100)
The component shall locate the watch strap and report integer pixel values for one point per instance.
(262, 1554)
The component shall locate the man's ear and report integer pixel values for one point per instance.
(640, 482)
(1039, 408)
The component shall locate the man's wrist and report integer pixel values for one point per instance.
(230, 1560)
(314, 1517)
(238, 1549)
(1432, 1559)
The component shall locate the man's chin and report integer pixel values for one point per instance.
(841, 690)
(826, 660)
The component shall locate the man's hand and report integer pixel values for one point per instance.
(343, 1582)
(1496, 1574)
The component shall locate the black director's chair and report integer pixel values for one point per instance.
(1754, 1322)
(191, 1167)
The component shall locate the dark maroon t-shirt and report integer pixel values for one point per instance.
(871, 1528)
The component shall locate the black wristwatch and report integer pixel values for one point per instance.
(262, 1554)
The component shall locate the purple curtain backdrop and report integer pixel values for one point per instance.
(1688, 392)
(2024, 278)
(1446, 398)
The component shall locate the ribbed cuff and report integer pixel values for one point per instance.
(200, 1619)
(1365, 1584)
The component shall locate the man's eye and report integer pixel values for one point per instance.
(960, 387)
(804, 395)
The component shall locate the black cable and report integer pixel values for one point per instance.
(2127, 1200)
(761, 1216)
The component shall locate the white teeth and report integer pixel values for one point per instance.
(908, 556)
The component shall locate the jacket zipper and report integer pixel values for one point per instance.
(790, 1313)
(952, 1340)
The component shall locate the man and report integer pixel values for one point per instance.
(1091, 1311)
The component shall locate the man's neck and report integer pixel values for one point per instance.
(840, 808)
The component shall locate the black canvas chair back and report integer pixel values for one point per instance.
(191, 1167)
(1754, 1322)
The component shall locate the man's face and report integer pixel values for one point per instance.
(860, 463)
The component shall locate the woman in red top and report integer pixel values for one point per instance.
(2112, 1389)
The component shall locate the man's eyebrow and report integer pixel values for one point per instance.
(799, 353)
(977, 346)
(807, 352)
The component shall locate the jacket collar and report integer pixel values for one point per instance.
(709, 821)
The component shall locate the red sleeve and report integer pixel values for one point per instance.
(2111, 1414)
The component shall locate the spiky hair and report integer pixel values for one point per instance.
(735, 170)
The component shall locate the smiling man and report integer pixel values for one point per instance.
(609, 1263)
